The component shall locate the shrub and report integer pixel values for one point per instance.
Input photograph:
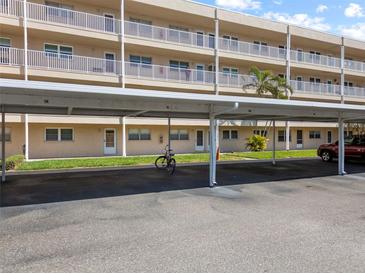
(256, 143)
(13, 161)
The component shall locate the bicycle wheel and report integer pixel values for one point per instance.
(171, 167)
(161, 162)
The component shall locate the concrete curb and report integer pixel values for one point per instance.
(101, 169)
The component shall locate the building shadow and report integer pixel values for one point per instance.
(49, 188)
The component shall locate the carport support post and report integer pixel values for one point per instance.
(288, 77)
(3, 160)
(213, 159)
(341, 147)
(124, 139)
(169, 133)
(274, 144)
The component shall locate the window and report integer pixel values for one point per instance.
(58, 9)
(282, 50)
(59, 134)
(179, 135)
(314, 80)
(140, 59)
(282, 136)
(179, 28)
(139, 134)
(5, 42)
(315, 56)
(230, 71)
(179, 64)
(348, 84)
(230, 134)
(7, 135)
(140, 21)
(314, 134)
(58, 51)
(260, 132)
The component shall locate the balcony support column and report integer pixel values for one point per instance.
(343, 71)
(341, 147)
(122, 46)
(216, 82)
(274, 143)
(3, 141)
(288, 76)
(212, 158)
(124, 139)
(26, 118)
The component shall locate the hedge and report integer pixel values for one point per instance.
(13, 161)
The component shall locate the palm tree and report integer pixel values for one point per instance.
(266, 83)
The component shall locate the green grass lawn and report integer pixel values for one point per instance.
(147, 160)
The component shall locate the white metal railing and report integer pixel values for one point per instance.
(354, 65)
(315, 88)
(310, 58)
(11, 7)
(166, 73)
(72, 18)
(251, 49)
(11, 56)
(168, 35)
(235, 80)
(354, 91)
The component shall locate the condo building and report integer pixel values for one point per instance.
(176, 46)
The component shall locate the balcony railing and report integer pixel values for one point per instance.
(166, 73)
(11, 56)
(168, 35)
(354, 65)
(315, 88)
(11, 7)
(354, 91)
(251, 49)
(235, 80)
(310, 58)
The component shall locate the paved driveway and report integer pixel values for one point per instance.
(259, 219)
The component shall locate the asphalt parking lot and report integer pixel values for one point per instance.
(296, 217)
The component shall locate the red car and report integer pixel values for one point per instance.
(354, 148)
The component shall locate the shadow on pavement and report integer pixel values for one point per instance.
(49, 188)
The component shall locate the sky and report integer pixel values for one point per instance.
(342, 17)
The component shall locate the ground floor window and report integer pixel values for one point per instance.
(230, 134)
(314, 134)
(59, 134)
(7, 135)
(179, 135)
(282, 136)
(139, 134)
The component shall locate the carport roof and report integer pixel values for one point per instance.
(19, 96)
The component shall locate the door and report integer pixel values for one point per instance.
(110, 62)
(110, 147)
(300, 83)
(200, 39)
(109, 22)
(329, 137)
(299, 138)
(200, 73)
(199, 145)
(212, 41)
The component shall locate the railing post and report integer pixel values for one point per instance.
(288, 76)
(122, 44)
(343, 70)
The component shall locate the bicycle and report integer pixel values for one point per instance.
(166, 161)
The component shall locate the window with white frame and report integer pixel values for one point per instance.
(230, 71)
(282, 136)
(59, 134)
(54, 50)
(137, 59)
(7, 134)
(136, 134)
(230, 134)
(58, 9)
(140, 21)
(314, 134)
(179, 135)
(5, 42)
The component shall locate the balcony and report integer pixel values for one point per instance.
(315, 88)
(251, 49)
(314, 59)
(354, 65)
(13, 57)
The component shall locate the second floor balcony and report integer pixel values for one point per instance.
(41, 60)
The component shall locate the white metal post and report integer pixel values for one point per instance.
(216, 84)
(343, 71)
(288, 76)
(169, 133)
(341, 147)
(122, 36)
(3, 155)
(213, 160)
(26, 118)
(274, 143)
(124, 139)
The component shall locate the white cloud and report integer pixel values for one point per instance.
(239, 4)
(278, 2)
(321, 8)
(356, 31)
(300, 19)
(354, 10)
